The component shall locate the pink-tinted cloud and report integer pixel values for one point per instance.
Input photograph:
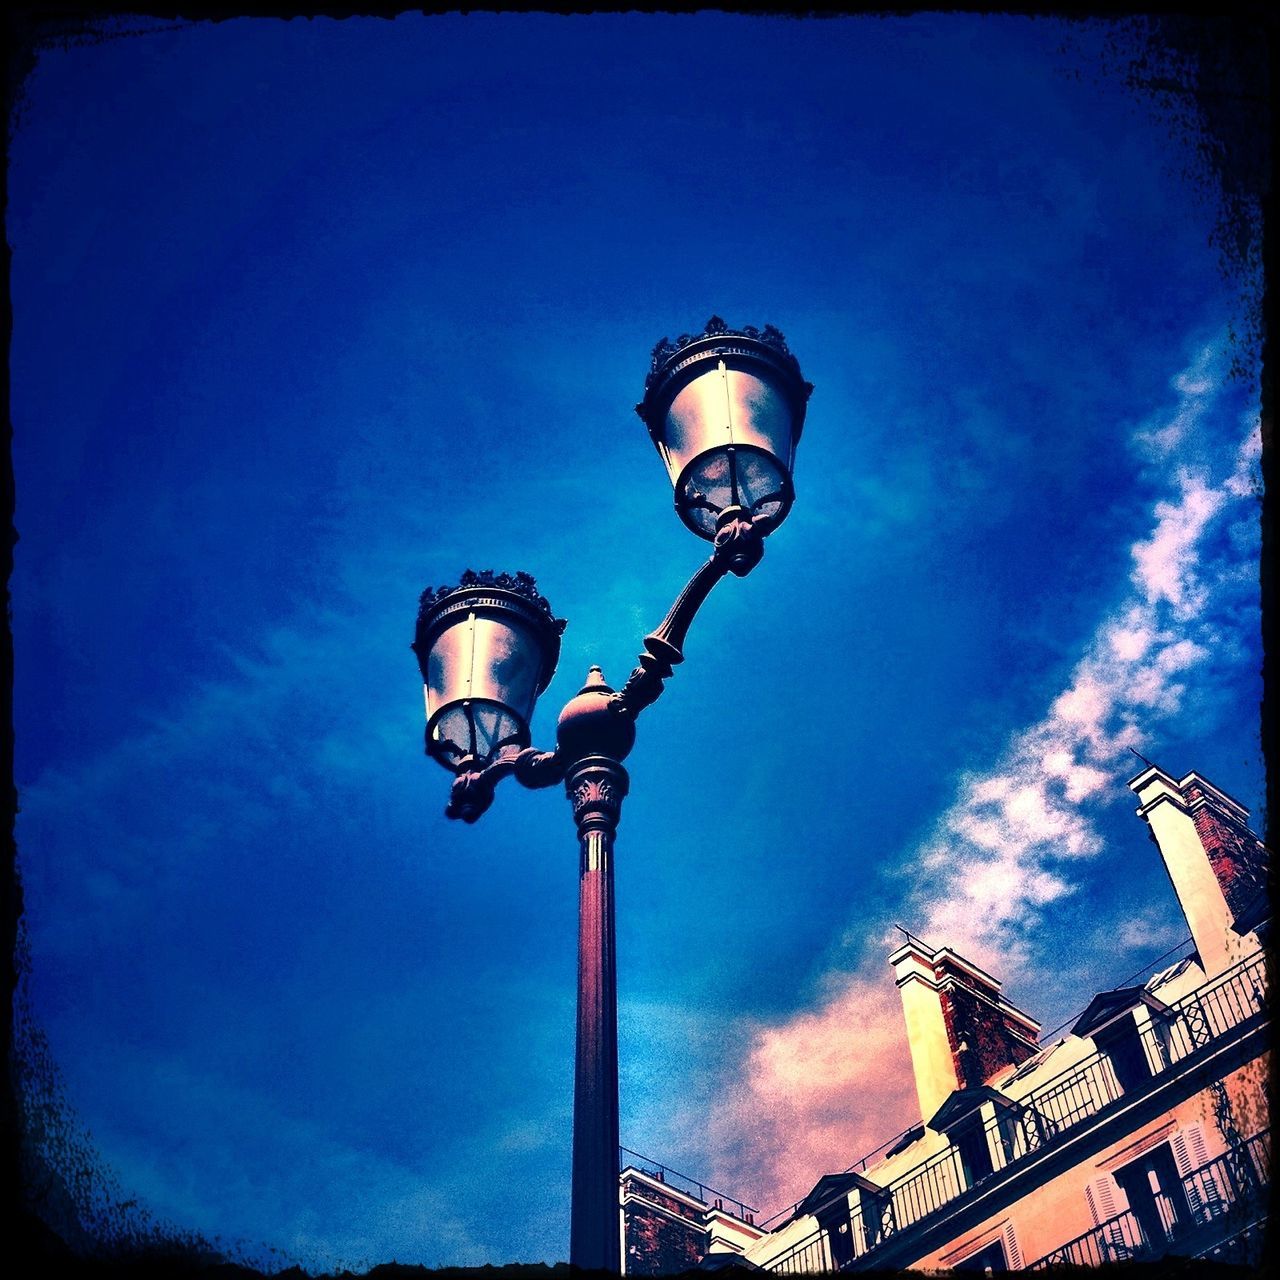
(802, 1106)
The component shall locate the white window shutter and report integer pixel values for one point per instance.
(1013, 1255)
(1106, 1199)
(1096, 1211)
(1191, 1153)
(1196, 1143)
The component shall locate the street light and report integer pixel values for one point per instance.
(487, 647)
(725, 409)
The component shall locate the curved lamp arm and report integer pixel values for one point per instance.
(739, 544)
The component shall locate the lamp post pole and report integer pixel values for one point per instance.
(725, 410)
(596, 786)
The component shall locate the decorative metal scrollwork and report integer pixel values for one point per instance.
(520, 584)
(770, 336)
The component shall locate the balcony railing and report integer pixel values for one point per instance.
(1116, 1240)
(1049, 1111)
(1223, 1196)
(811, 1254)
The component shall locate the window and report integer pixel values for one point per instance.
(1007, 1119)
(877, 1220)
(836, 1222)
(1123, 1047)
(975, 1155)
(1163, 1043)
(990, 1258)
(1156, 1195)
(913, 1134)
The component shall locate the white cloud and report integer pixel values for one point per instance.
(1162, 433)
(1148, 932)
(801, 1106)
(1246, 479)
(1165, 567)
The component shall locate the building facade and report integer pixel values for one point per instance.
(1143, 1133)
(670, 1223)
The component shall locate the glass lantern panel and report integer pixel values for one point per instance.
(490, 659)
(707, 490)
(475, 729)
(508, 661)
(738, 477)
(495, 728)
(761, 482)
(451, 734)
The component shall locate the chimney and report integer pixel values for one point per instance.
(1216, 863)
(960, 1028)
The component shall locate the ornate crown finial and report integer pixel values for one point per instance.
(520, 584)
(717, 328)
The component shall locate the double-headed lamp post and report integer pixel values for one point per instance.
(725, 409)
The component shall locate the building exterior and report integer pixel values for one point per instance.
(670, 1223)
(1142, 1133)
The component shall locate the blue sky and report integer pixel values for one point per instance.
(309, 315)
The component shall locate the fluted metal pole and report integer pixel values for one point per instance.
(596, 786)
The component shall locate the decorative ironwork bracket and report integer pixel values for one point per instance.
(739, 545)
(472, 790)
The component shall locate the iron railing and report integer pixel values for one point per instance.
(813, 1253)
(856, 1167)
(1116, 1240)
(1224, 1192)
(690, 1186)
(1026, 1124)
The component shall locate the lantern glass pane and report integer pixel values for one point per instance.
(761, 482)
(478, 729)
(723, 478)
(508, 660)
(482, 675)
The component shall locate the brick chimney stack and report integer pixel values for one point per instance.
(960, 1028)
(1215, 862)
